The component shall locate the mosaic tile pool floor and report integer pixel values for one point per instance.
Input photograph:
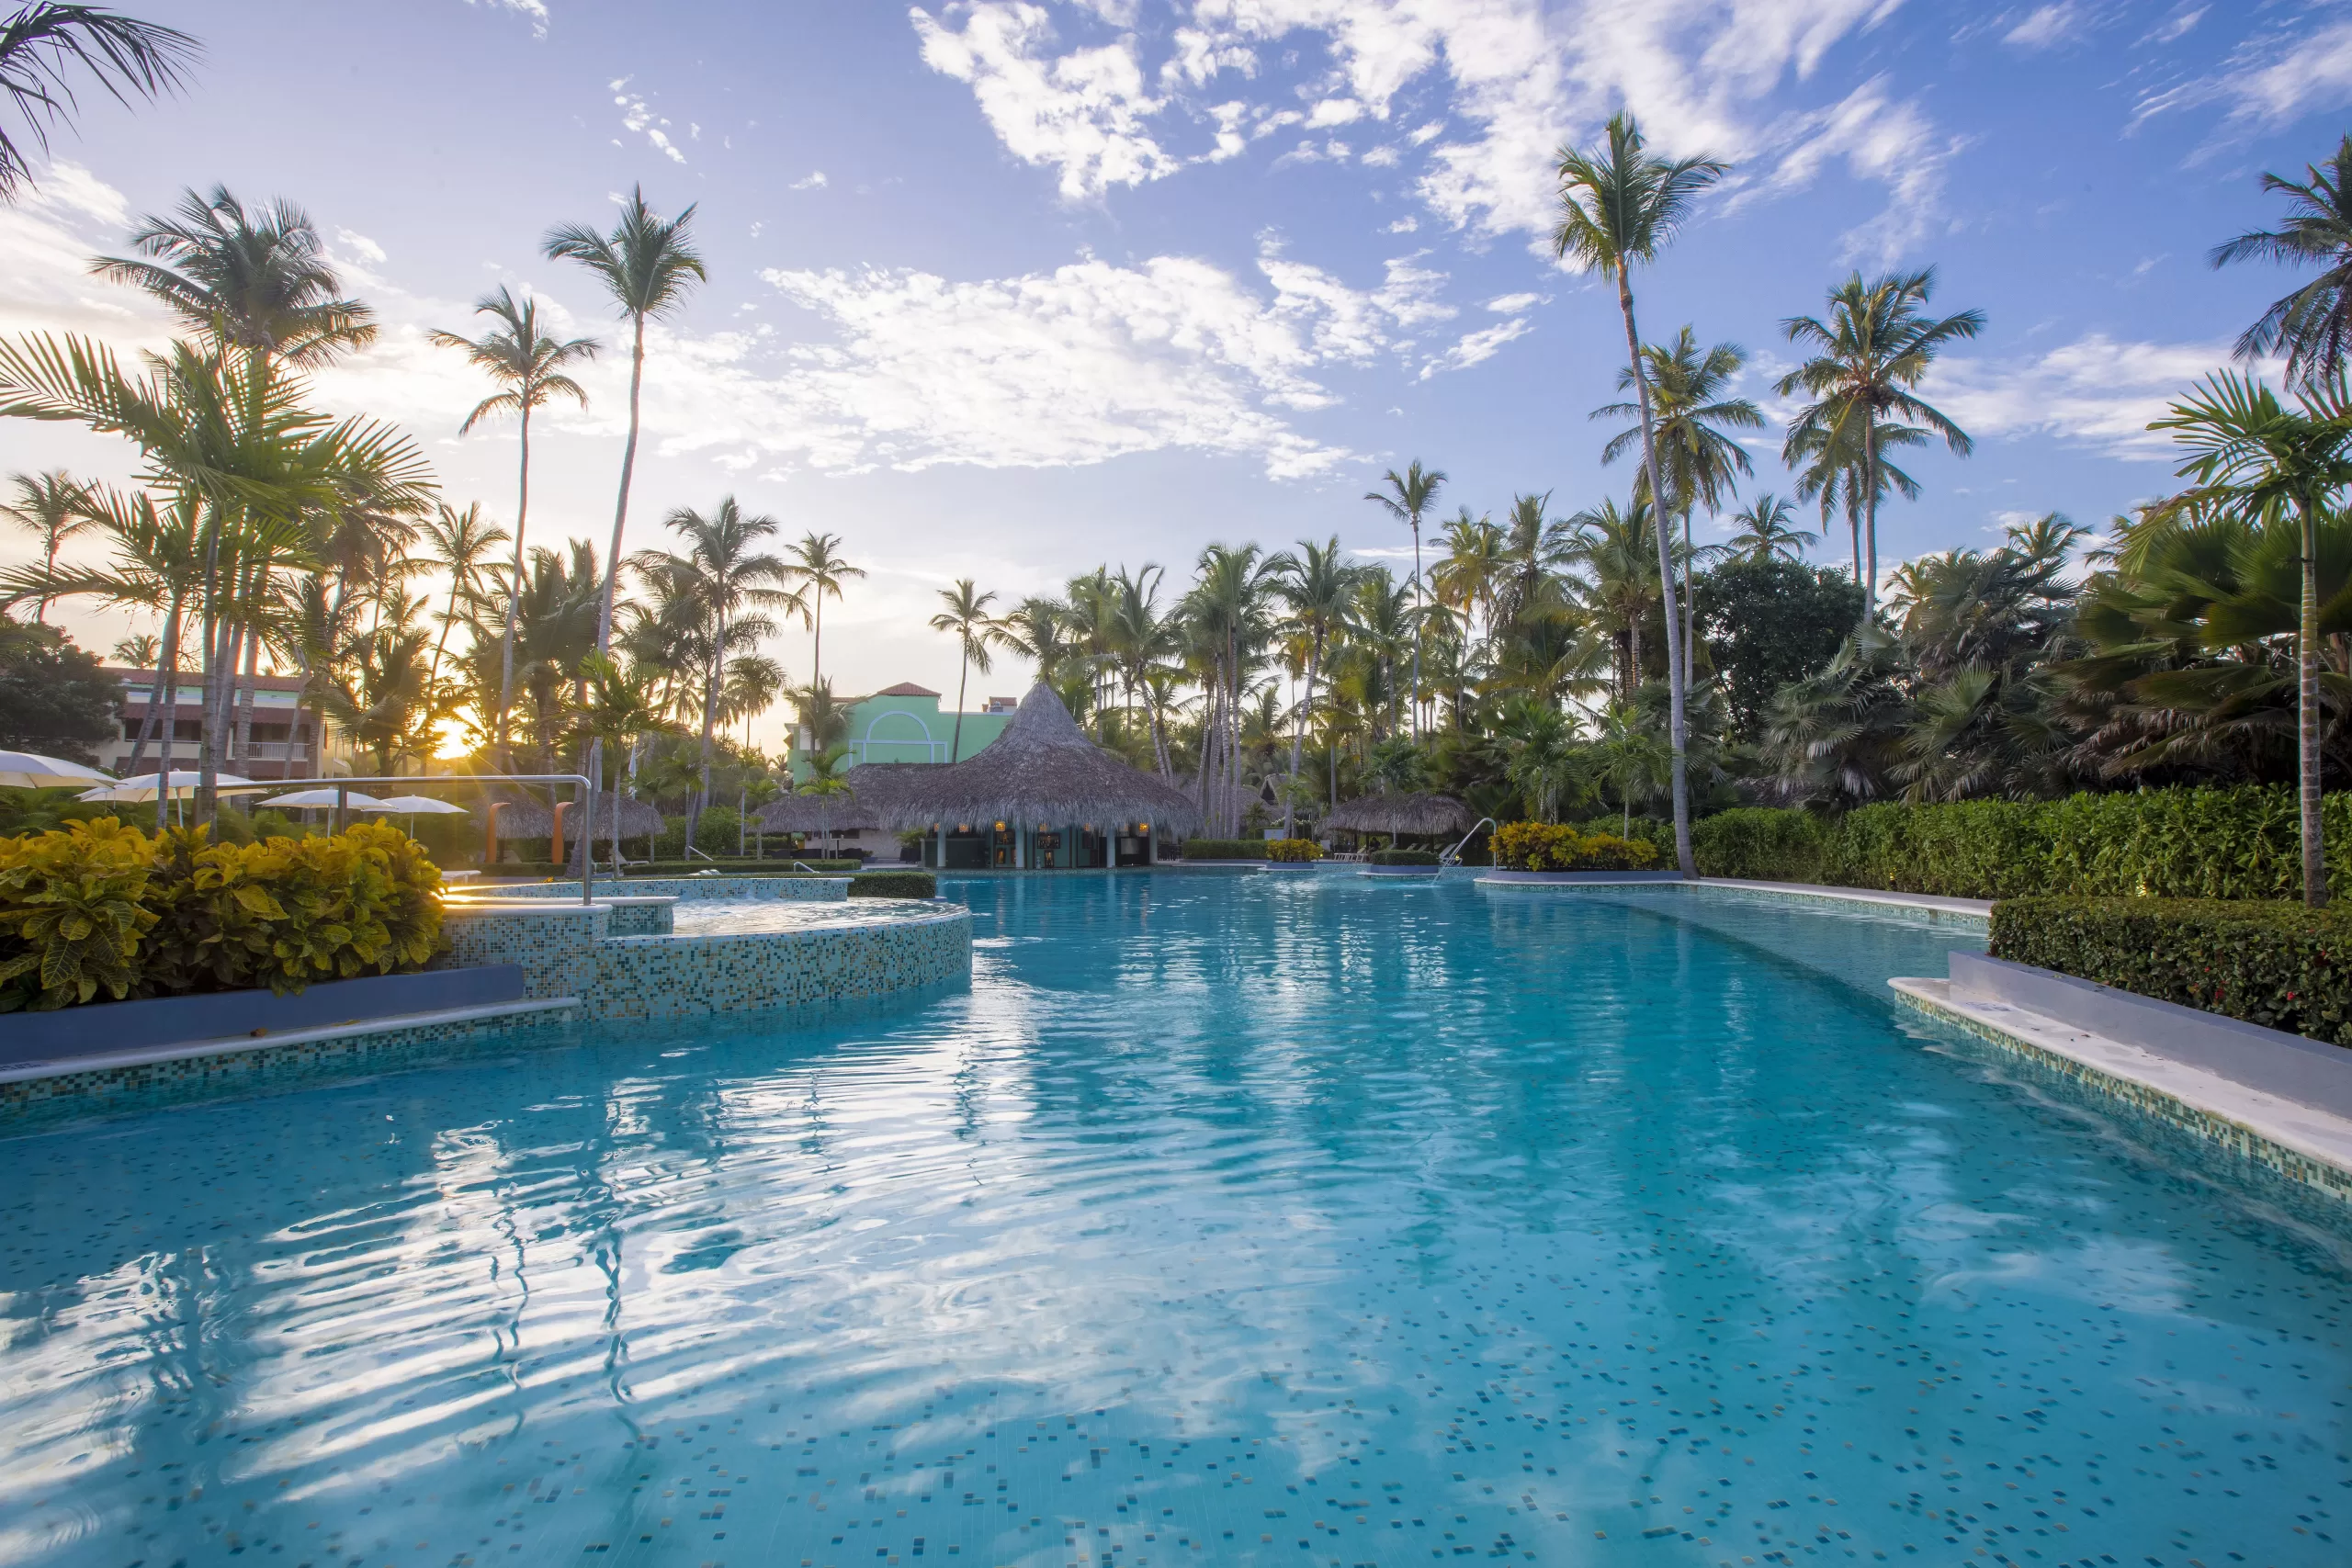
(1224, 1219)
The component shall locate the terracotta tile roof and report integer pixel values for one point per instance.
(906, 689)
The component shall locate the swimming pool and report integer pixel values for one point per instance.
(1225, 1219)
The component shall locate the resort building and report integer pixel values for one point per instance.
(1039, 796)
(270, 735)
(903, 724)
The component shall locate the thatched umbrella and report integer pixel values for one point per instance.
(525, 817)
(841, 813)
(1043, 768)
(1420, 816)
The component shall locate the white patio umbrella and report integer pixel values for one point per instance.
(310, 800)
(179, 784)
(415, 806)
(30, 770)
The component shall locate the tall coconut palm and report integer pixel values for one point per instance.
(1615, 551)
(255, 278)
(52, 507)
(648, 265)
(2251, 456)
(1620, 205)
(1406, 499)
(1317, 587)
(44, 46)
(2313, 324)
(731, 581)
(460, 544)
(1763, 531)
(966, 619)
(1867, 356)
(532, 366)
(1698, 461)
(813, 564)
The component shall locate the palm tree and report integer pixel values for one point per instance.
(52, 507)
(1616, 549)
(2313, 324)
(256, 279)
(1619, 206)
(1765, 531)
(460, 543)
(1316, 588)
(532, 366)
(138, 652)
(39, 45)
(968, 619)
(813, 564)
(730, 580)
(1875, 348)
(649, 265)
(2254, 458)
(1698, 460)
(1409, 495)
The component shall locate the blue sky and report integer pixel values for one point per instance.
(1003, 289)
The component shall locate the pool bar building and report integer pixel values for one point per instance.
(1041, 797)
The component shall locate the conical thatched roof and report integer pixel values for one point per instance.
(1042, 771)
(843, 812)
(1423, 814)
(527, 818)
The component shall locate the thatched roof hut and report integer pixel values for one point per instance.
(1042, 771)
(1419, 816)
(841, 813)
(527, 818)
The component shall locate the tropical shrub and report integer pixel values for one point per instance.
(1760, 843)
(894, 885)
(73, 913)
(1557, 846)
(1226, 848)
(2277, 965)
(1404, 857)
(1294, 850)
(100, 906)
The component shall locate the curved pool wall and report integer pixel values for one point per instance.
(622, 959)
(733, 888)
(1220, 1220)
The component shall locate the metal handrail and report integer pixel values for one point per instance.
(342, 787)
(693, 851)
(1453, 855)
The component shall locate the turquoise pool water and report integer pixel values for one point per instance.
(1225, 1219)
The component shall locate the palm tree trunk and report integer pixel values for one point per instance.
(514, 600)
(167, 686)
(1870, 517)
(709, 720)
(963, 674)
(594, 767)
(1298, 741)
(1677, 733)
(1414, 696)
(817, 639)
(2307, 721)
(242, 747)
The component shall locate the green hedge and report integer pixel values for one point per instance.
(2277, 965)
(894, 885)
(2232, 843)
(1404, 857)
(1225, 849)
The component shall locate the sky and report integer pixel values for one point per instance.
(1006, 291)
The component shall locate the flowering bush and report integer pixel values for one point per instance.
(1293, 850)
(1556, 846)
(100, 906)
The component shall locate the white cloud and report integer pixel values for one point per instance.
(1521, 76)
(2047, 26)
(535, 10)
(2271, 79)
(1511, 304)
(1082, 112)
(637, 117)
(1877, 138)
(813, 180)
(1476, 347)
(2098, 391)
(360, 244)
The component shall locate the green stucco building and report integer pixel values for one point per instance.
(903, 724)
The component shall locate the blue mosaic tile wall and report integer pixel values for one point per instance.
(556, 947)
(266, 1065)
(686, 977)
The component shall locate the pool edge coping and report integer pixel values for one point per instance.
(1960, 909)
(234, 1045)
(2303, 1143)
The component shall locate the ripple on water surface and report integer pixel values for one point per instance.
(1225, 1219)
